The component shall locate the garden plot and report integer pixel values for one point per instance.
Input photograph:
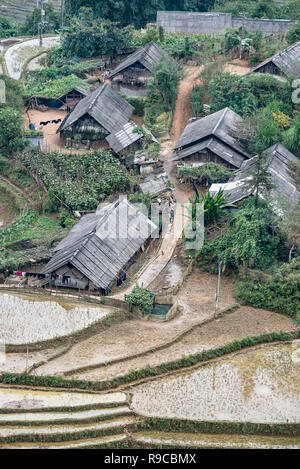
(25, 321)
(261, 386)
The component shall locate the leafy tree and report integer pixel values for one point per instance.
(13, 93)
(32, 21)
(228, 90)
(196, 101)
(290, 223)
(251, 238)
(166, 80)
(141, 298)
(259, 180)
(293, 34)
(264, 9)
(206, 174)
(291, 137)
(89, 37)
(231, 39)
(10, 131)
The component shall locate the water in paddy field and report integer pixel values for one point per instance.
(28, 399)
(255, 386)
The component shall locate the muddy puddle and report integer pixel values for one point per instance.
(257, 386)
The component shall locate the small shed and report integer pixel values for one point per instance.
(155, 185)
(102, 112)
(128, 139)
(286, 63)
(100, 248)
(212, 139)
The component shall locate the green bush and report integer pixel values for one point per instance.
(196, 101)
(280, 293)
(141, 298)
(206, 174)
(138, 104)
(293, 34)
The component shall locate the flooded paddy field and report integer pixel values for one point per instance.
(30, 399)
(26, 320)
(261, 386)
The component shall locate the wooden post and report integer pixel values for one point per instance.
(218, 290)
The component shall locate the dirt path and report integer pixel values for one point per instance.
(18, 189)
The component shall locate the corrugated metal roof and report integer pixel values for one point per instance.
(101, 244)
(108, 108)
(288, 61)
(124, 137)
(148, 56)
(154, 186)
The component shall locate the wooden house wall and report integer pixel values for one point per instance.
(88, 124)
(137, 74)
(270, 68)
(207, 157)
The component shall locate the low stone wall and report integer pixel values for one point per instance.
(187, 272)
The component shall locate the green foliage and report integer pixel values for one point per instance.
(293, 34)
(231, 39)
(280, 293)
(13, 93)
(162, 92)
(259, 181)
(78, 182)
(252, 239)
(229, 90)
(204, 175)
(213, 206)
(91, 38)
(289, 9)
(11, 140)
(196, 101)
(138, 104)
(8, 29)
(141, 298)
(32, 21)
(56, 88)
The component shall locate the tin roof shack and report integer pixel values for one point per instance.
(212, 139)
(99, 114)
(285, 64)
(278, 159)
(132, 74)
(100, 248)
(62, 93)
(155, 185)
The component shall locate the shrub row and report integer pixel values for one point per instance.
(58, 382)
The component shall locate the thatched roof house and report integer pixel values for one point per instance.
(100, 247)
(102, 111)
(278, 159)
(286, 63)
(212, 139)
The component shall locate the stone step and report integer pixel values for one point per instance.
(69, 432)
(110, 441)
(44, 418)
(191, 440)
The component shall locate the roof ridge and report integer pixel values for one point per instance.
(97, 95)
(219, 121)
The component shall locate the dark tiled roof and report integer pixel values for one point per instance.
(108, 108)
(148, 56)
(101, 244)
(288, 61)
(216, 132)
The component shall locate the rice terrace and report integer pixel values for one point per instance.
(149, 226)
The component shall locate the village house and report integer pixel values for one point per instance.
(132, 74)
(99, 249)
(278, 160)
(60, 94)
(98, 115)
(284, 64)
(212, 139)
